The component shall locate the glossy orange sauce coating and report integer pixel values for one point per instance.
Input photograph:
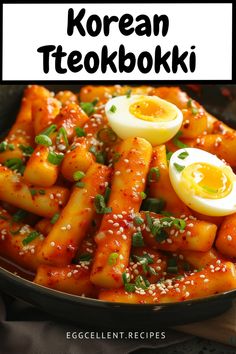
(105, 248)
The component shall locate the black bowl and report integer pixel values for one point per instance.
(220, 101)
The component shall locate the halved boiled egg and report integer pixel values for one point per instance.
(203, 182)
(148, 117)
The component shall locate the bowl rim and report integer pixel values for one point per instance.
(25, 283)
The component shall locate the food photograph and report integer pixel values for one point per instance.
(118, 211)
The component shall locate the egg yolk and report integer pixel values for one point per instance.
(151, 110)
(208, 181)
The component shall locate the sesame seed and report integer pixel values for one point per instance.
(124, 237)
(110, 221)
(229, 237)
(69, 275)
(126, 160)
(117, 173)
(52, 243)
(206, 280)
(202, 276)
(217, 269)
(116, 224)
(68, 227)
(187, 294)
(110, 232)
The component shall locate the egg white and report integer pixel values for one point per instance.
(126, 125)
(212, 207)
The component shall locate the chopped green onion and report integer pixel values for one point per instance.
(168, 155)
(19, 215)
(186, 266)
(100, 158)
(3, 146)
(15, 164)
(43, 140)
(113, 109)
(153, 204)
(130, 288)
(183, 155)
(112, 259)
(138, 220)
(51, 129)
(137, 239)
(16, 231)
(145, 260)
(100, 205)
(190, 105)
(153, 174)
(178, 277)
(161, 236)
(143, 195)
(62, 134)
(195, 111)
(172, 270)
(128, 93)
(27, 150)
(179, 223)
(177, 142)
(80, 184)
(33, 192)
(11, 147)
(107, 135)
(32, 236)
(141, 282)
(107, 194)
(54, 218)
(78, 175)
(55, 158)
(178, 167)
(85, 257)
(116, 157)
(166, 213)
(125, 278)
(87, 107)
(80, 132)
(42, 192)
(172, 266)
